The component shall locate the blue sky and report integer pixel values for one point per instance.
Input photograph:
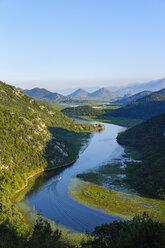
(77, 43)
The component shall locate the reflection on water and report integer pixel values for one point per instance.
(50, 195)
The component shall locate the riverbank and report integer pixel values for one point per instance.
(115, 202)
(44, 170)
(31, 215)
(71, 237)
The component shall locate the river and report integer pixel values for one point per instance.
(50, 196)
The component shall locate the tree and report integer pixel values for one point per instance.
(43, 236)
(141, 232)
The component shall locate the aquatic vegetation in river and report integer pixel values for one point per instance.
(115, 202)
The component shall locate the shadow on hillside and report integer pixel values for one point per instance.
(74, 139)
(73, 143)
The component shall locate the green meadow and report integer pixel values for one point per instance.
(115, 202)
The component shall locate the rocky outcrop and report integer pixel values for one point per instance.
(98, 127)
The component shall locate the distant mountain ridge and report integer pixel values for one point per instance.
(144, 108)
(41, 93)
(80, 93)
(102, 93)
(121, 90)
(136, 97)
(160, 92)
(130, 99)
(154, 85)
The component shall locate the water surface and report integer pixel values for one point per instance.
(50, 196)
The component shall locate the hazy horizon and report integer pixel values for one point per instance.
(87, 87)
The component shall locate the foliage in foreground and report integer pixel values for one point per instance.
(42, 236)
(141, 232)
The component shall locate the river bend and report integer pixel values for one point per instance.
(50, 196)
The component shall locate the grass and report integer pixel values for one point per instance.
(111, 175)
(24, 207)
(125, 122)
(115, 202)
(117, 174)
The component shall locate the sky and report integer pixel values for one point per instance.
(58, 44)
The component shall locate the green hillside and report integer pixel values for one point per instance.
(149, 139)
(84, 110)
(133, 98)
(143, 108)
(27, 145)
(14, 98)
(33, 136)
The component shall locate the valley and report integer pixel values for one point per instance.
(99, 175)
(82, 124)
(109, 169)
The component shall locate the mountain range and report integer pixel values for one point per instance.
(133, 98)
(80, 95)
(41, 93)
(134, 88)
(102, 93)
(122, 90)
(143, 108)
(111, 93)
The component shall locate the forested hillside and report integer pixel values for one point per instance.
(14, 98)
(31, 140)
(33, 137)
(149, 138)
(143, 108)
(130, 99)
(26, 137)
